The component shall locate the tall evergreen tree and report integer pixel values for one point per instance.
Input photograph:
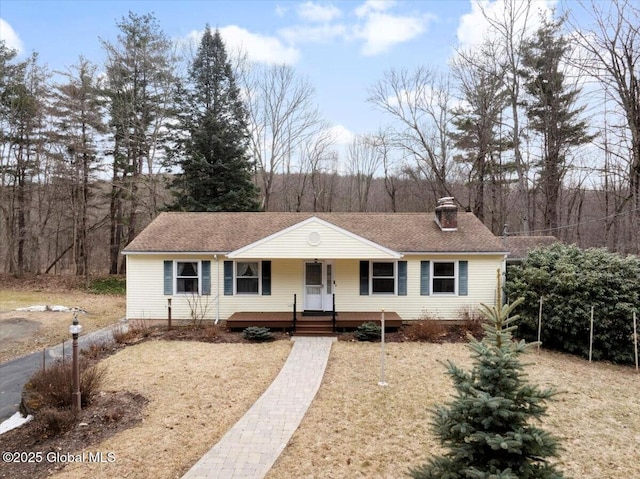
(552, 110)
(23, 95)
(215, 166)
(77, 112)
(477, 132)
(488, 428)
(139, 82)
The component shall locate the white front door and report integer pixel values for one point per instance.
(314, 275)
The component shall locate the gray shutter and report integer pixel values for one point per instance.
(206, 277)
(228, 278)
(168, 278)
(402, 278)
(266, 278)
(425, 278)
(364, 278)
(463, 278)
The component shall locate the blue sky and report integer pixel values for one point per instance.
(342, 47)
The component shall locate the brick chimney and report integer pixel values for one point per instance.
(447, 214)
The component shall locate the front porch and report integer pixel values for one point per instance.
(310, 323)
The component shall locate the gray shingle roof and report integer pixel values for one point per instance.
(519, 246)
(226, 232)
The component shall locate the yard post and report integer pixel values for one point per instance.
(382, 382)
(591, 336)
(75, 329)
(635, 338)
(539, 323)
(169, 313)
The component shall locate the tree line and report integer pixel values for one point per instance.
(534, 131)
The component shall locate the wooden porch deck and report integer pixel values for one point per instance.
(284, 319)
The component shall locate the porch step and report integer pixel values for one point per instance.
(314, 327)
(313, 312)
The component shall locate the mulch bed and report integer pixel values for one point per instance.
(28, 453)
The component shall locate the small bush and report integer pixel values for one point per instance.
(97, 350)
(368, 332)
(210, 331)
(53, 387)
(429, 330)
(126, 333)
(51, 422)
(257, 333)
(110, 285)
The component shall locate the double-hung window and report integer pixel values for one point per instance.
(383, 278)
(444, 277)
(187, 279)
(247, 277)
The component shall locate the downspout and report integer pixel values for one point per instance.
(215, 256)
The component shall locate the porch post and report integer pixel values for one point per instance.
(333, 311)
(294, 312)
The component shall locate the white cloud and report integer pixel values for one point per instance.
(382, 31)
(10, 37)
(341, 135)
(259, 48)
(312, 12)
(281, 11)
(371, 6)
(474, 27)
(313, 34)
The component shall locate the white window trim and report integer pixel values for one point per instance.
(456, 277)
(395, 278)
(235, 277)
(175, 276)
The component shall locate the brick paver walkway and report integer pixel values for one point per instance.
(254, 443)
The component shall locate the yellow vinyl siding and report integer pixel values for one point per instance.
(286, 280)
(314, 240)
(146, 299)
(481, 289)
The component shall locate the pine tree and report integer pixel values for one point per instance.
(139, 74)
(215, 166)
(488, 428)
(552, 111)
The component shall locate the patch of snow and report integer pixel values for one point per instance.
(34, 309)
(13, 422)
(56, 308)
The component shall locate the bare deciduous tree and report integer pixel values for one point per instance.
(282, 118)
(363, 161)
(419, 103)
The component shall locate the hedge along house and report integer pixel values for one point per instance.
(275, 269)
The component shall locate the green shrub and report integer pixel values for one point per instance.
(109, 285)
(572, 280)
(368, 332)
(257, 333)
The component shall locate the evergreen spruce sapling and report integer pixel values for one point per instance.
(489, 428)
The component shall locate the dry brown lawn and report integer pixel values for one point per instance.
(25, 332)
(196, 392)
(354, 428)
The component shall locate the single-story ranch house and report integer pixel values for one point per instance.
(269, 268)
